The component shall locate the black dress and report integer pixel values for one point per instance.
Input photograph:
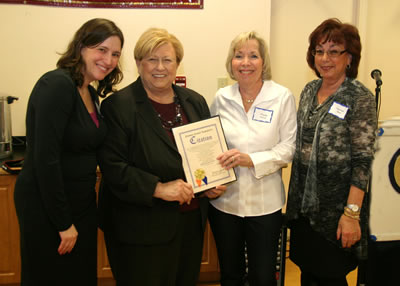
(56, 187)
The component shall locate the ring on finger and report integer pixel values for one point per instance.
(233, 159)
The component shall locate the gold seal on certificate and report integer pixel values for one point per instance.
(199, 144)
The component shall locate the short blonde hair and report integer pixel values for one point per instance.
(238, 42)
(152, 39)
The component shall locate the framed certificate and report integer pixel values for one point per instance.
(199, 144)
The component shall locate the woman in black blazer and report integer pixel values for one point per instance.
(55, 196)
(153, 223)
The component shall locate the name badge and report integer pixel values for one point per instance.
(263, 115)
(338, 110)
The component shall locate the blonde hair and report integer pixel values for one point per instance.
(152, 39)
(238, 42)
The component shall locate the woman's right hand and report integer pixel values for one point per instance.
(177, 190)
(68, 240)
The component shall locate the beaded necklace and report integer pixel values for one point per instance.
(177, 120)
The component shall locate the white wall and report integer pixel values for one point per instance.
(379, 26)
(381, 50)
(291, 24)
(378, 22)
(32, 36)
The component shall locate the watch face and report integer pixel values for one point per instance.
(354, 208)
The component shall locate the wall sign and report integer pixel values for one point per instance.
(166, 4)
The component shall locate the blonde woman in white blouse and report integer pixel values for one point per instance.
(259, 121)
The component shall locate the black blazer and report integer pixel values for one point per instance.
(136, 155)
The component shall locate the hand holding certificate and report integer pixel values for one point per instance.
(199, 144)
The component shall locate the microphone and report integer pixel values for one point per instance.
(376, 75)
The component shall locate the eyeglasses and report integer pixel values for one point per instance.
(166, 62)
(331, 53)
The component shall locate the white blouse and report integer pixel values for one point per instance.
(267, 132)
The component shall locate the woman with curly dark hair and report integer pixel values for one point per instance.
(55, 195)
(336, 122)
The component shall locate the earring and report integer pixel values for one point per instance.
(348, 66)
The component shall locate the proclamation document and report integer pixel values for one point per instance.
(199, 144)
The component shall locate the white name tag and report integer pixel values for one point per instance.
(263, 115)
(338, 110)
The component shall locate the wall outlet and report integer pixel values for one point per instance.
(222, 82)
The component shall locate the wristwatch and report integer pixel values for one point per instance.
(353, 207)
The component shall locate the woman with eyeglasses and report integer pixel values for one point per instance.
(327, 207)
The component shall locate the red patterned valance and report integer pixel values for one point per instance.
(183, 4)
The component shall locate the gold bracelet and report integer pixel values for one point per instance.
(350, 211)
(349, 214)
(353, 217)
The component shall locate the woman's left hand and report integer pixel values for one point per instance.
(68, 240)
(216, 192)
(348, 231)
(233, 158)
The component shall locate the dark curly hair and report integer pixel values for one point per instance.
(91, 34)
(339, 33)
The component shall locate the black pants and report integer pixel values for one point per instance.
(174, 263)
(260, 234)
(322, 263)
(41, 265)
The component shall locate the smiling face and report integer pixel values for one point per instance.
(247, 63)
(158, 70)
(100, 60)
(331, 67)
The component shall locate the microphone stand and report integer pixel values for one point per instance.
(378, 98)
(376, 75)
(362, 279)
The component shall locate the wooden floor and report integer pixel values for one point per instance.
(292, 277)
